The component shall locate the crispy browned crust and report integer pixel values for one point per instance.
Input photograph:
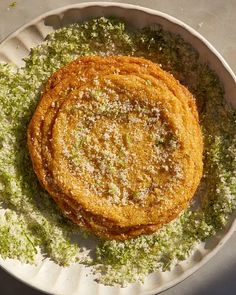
(114, 221)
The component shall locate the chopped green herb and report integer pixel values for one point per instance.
(32, 220)
(12, 5)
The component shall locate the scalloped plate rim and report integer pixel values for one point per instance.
(232, 226)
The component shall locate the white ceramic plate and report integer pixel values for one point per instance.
(49, 277)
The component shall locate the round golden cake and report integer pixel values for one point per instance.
(117, 143)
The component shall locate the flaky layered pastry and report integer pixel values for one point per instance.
(116, 142)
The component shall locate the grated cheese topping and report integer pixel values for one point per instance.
(32, 222)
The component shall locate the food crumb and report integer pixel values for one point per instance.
(12, 5)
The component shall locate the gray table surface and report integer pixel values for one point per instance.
(215, 20)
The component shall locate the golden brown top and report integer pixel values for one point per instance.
(116, 142)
